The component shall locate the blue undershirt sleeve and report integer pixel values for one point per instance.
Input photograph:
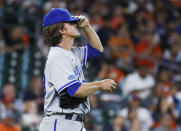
(92, 52)
(71, 90)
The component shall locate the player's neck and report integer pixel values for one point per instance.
(66, 43)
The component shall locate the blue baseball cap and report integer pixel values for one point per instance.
(57, 15)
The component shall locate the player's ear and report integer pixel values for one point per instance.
(62, 31)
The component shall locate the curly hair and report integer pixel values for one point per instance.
(51, 34)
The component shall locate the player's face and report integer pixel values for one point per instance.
(71, 29)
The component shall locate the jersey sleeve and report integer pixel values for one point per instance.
(71, 90)
(62, 74)
(87, 53)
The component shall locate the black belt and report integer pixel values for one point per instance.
(70, 117)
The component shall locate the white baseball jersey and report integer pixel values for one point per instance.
(63, 68)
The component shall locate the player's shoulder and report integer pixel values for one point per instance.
(57, 53)
(77, 50)
(74, 48)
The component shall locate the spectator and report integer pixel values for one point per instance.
(11, 9)
(95, 119)
(147, 50)
(121, 47)
(135, 111)
(141, 16)
(11, 102)
(108, 70)
(137, 32)
(31, 15)
(17, 40)
(53, 4)
(176, 98)
(35, 92)
(7, 123)
(165, 123)
(165, 105)
(118, 124)
(105, 32)
(160, 20)
(139, 83)
(31, 116)
(135, 125)
(117, 17)
(173, 54)
(96, 21)
(163, 85)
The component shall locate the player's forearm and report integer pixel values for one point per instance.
(93, 38)
(87, 89)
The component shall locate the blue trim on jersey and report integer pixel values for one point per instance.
(44, 84)
(92, 52)
(55, 125)
(85, 56)
(66, 85)
(71, 90)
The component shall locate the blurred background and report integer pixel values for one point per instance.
(142, 41)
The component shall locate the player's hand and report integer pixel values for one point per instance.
(108, 85)
(83, 22)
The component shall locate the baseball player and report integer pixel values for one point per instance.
(65, 90)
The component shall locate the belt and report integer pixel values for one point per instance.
(74, 117)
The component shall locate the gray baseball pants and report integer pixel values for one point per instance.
(58, 123)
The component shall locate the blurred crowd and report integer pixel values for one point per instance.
(142, 42)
